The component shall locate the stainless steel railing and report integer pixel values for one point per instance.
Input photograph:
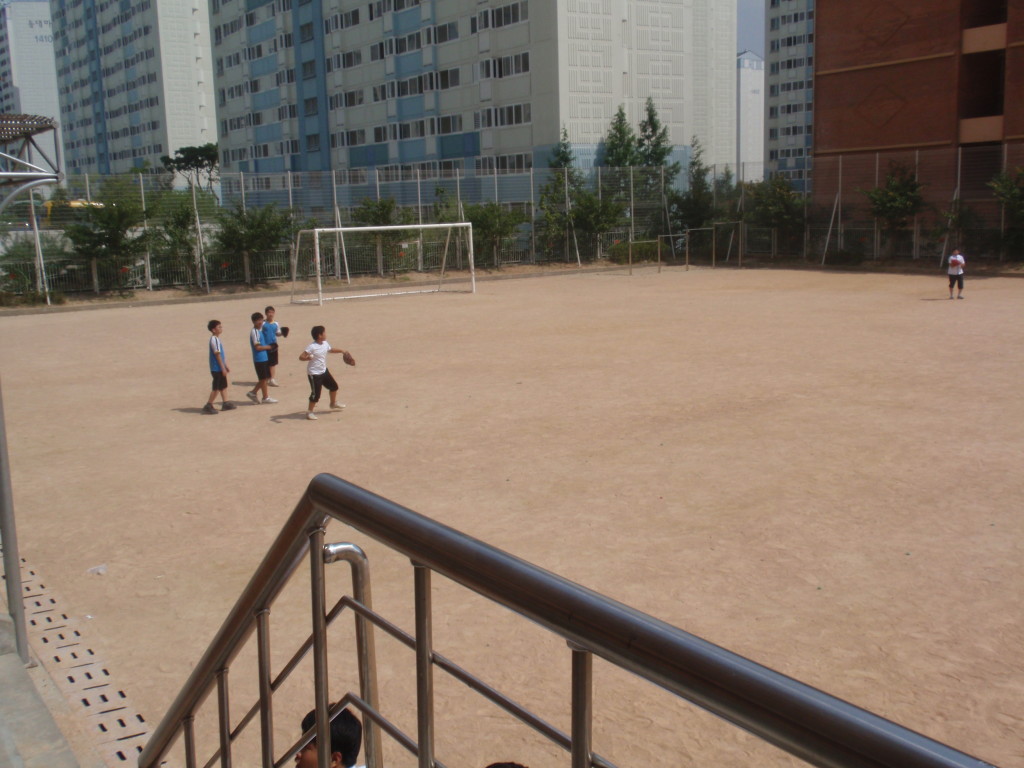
(804, 721)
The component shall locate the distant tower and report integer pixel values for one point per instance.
(749, 117)
(28, 77)
(789, 59)
(135, 81)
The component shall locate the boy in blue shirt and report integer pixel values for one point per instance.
(271, 330)
(259, 360)
(218, 370)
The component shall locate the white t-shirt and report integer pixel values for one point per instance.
(317, 352)
(956, 264)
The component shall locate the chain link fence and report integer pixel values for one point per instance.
(568, 215)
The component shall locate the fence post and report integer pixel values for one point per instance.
(241, 186)
(533, 221)
(419, 209)
(632, 206)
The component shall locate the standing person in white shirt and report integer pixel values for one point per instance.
(315, 357)
(956, 273)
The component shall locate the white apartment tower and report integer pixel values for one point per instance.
(28, 78)
(440, 85)
(135, 81)
(789, 114)
(749, 116)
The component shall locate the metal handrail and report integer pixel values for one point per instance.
(804, 721)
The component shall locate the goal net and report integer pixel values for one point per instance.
(389, 260)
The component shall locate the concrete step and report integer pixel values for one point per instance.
(29, 734)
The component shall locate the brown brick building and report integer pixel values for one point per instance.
(937, 85)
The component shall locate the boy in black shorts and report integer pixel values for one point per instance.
(218, 370)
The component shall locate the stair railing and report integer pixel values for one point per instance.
(808, 723)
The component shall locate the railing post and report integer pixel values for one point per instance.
(190, 741)
(365, 646)
(582, 706)
(223, 718)
(424, 667)
(319, 610)
(266, 692)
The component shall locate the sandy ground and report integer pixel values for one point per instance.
(821, 472)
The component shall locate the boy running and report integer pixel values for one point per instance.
(259, 360)
(315, 357)
(218, 370)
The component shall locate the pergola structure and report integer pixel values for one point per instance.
(24, 165)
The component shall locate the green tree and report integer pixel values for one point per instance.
(896, 202)
(492, 224)
(246, 232)
(618, 153)
(109, 234)
(695, 207)
(773, 203)
(1008, 189)
(557, 196)
(595, 215)
(382, 213)
(173, 233)
(653, 149)
(196, 164)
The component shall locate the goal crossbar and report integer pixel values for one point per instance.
(342, 231)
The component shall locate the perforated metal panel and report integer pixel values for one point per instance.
(82, 676)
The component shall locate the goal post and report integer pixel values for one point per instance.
(383, 251)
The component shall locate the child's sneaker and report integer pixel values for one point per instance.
(208, 408)
(311, 416)
(252, 396)
(273, 382)
(269, 400)
(337, 406)
(228, 407)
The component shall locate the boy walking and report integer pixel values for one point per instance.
(259, 360)
(271, 330)
(218, 370)
(315, 357)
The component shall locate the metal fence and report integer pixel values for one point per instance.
(557, 208)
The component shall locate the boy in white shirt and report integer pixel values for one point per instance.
(956, 273)
(315, 357)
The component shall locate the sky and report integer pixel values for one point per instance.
(750, 36)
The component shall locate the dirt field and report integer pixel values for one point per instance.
(821, 472)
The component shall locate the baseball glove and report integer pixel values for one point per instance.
(284, 331)
(347, 357)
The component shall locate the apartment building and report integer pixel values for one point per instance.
(435, 86)
(135, 81)
(789, 80)
(28, 77)
(749, 117)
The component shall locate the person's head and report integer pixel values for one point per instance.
(318, 333)
(214, 326)
(506, 765)
(269, 312)
(346, 738)
(956, 251)
(257, 319)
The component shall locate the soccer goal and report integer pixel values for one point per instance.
(407, 258)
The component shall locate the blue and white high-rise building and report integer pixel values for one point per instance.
(789, 112)
(442, 85)
(135, 81)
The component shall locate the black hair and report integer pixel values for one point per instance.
(506, 765)
(317, 330)
(269, 309)
(256, 316)
(212, 324)
(346, 734)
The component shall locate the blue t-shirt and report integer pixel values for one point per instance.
(270, 333)
(256, 337)
(216, 346)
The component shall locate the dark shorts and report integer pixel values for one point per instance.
(220, 381)
(957, 280)
(262, 370)
(318, 382)
(271, 357)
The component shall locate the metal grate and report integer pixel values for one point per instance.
(119, 730)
